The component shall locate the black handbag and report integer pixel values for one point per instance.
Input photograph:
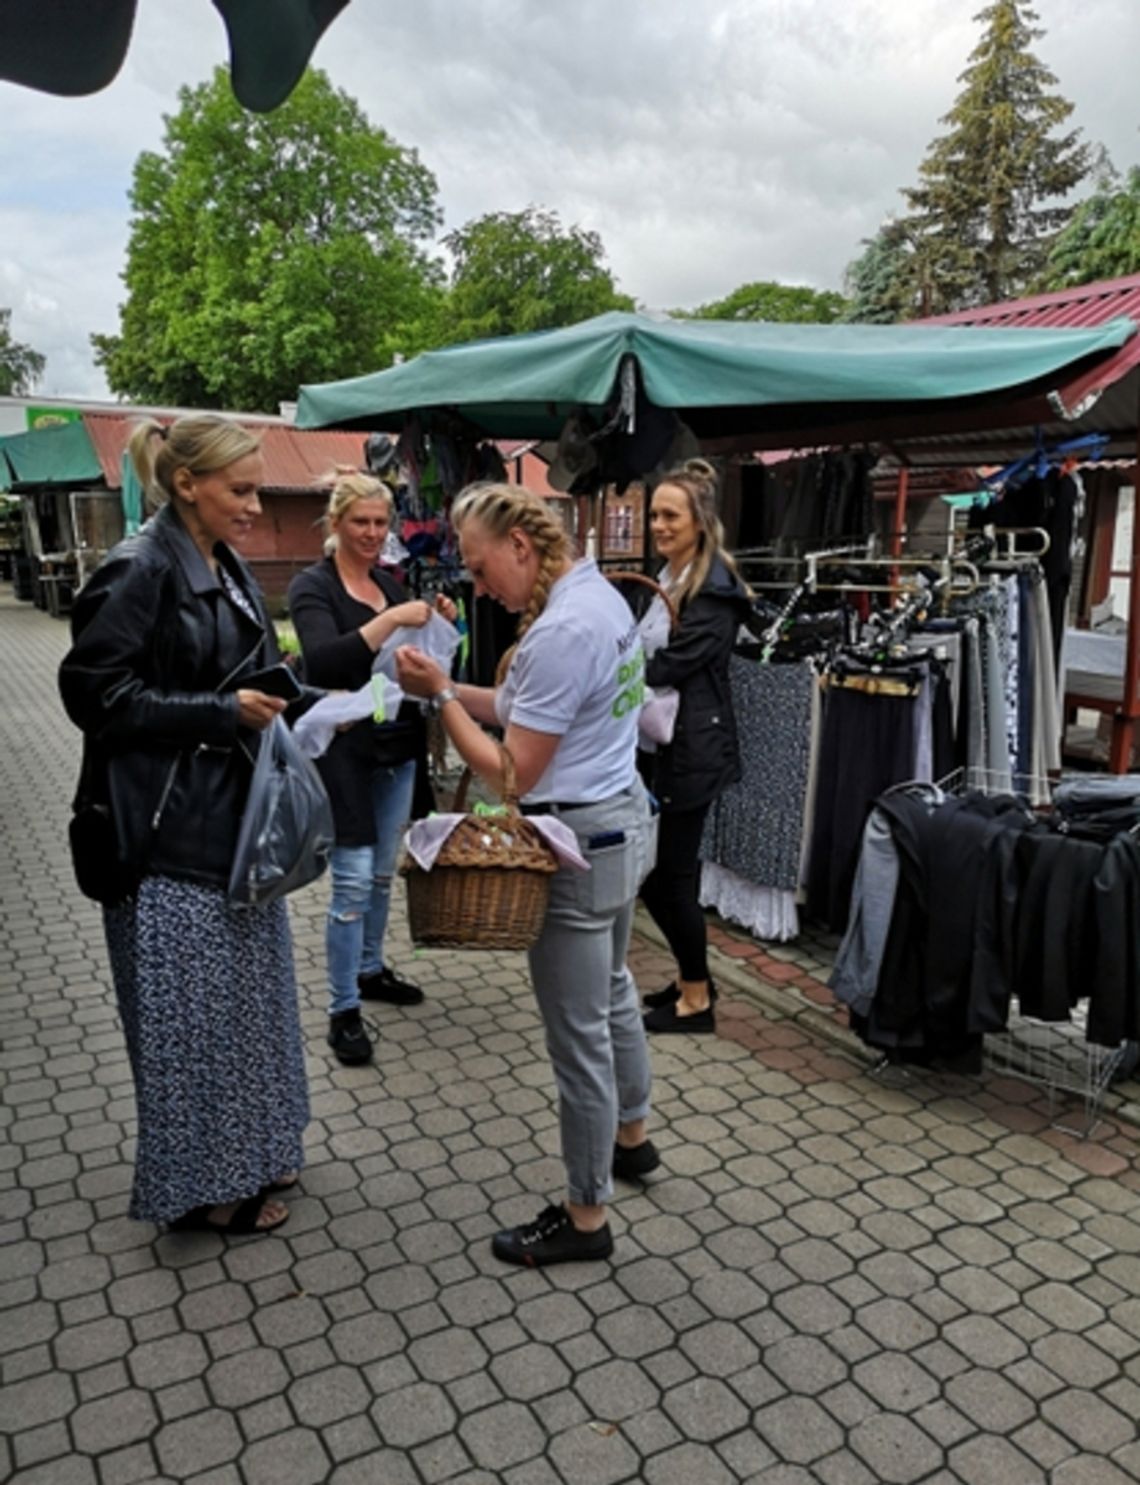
(97, 857)
(103, 869)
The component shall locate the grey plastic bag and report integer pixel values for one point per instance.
(286, 834)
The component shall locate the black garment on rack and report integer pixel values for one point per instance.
(757, 495)
(1057, 562)
(1026, 683)
(867, 743)
(942, 725)
(920, 1010)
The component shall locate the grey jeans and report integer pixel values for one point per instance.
(586, 994)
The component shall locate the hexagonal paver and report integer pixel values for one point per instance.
(196, 1444)
(895, 1450)
(328, 1396)
(530, 1371)
(447, 1354)
(994, 1404)
(501, 1436)
(705, 1409)
(412, 1415)
(798, 1430)
(112, 1422)
(632, 1332)
(896, 1382)
(1088, 1420)
(616, 1390)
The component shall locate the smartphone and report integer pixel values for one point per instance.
(275, 680)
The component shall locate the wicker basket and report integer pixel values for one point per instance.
(490, 883)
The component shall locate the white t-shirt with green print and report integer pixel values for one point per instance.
(579, 673)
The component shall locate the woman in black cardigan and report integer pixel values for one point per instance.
(702, 758)
(344, 608)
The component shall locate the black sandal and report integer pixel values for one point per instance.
(243, 1222)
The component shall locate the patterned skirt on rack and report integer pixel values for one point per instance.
(208, 1003)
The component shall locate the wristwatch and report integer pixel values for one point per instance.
(441, 698)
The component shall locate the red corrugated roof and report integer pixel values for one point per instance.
(295, 459)
(1078, 308)
(1087, 304)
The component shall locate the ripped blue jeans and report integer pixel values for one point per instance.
(362, 889)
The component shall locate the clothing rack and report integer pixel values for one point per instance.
(957, 575)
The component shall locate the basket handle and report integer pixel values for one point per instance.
(510, 783)
(648, 582)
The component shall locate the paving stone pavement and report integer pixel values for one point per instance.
(832, 1281)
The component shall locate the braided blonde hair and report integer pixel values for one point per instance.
(699, 479)
(500, 509)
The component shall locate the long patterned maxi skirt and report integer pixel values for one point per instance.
(208, 1003)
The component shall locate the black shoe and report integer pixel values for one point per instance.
(671, 993)
(551, 1238)
(657, 998)
(665, 1020)
(349, 1038)
(631, 1162)
(386, 986)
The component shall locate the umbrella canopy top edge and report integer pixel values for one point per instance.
(527, 384)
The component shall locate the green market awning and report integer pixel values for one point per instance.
(59, 456)
(725, 378)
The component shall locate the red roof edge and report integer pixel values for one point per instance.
(1083, 306)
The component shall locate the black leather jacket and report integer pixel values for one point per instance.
(704, 757)
(157, 647)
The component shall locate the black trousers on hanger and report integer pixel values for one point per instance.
(867, 744)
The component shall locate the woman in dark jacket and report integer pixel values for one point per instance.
(344, 608)
(163, 634)
(702, 758)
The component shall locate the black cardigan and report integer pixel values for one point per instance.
(703, 758)
(328, 619)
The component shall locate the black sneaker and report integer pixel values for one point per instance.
(631, 1162)
(551, 1238)
(657, 998)
(386, 986)
(349, 1038)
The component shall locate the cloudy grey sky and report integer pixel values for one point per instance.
(709, 142)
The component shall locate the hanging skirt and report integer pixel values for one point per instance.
(208, 1003)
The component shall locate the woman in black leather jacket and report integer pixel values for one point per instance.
(163, 633)
(702, 758)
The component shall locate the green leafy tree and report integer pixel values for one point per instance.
(892, 279)
(987, 206)
(20, 366)
(1102, 239)
(763, 300)
(519, 271)
(268, 250)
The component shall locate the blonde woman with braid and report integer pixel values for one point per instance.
(568, 697)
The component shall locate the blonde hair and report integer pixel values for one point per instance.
(203, 443)
(500, 509)
(698, 479)
(346, 487)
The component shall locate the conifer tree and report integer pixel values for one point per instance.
(989, 202)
